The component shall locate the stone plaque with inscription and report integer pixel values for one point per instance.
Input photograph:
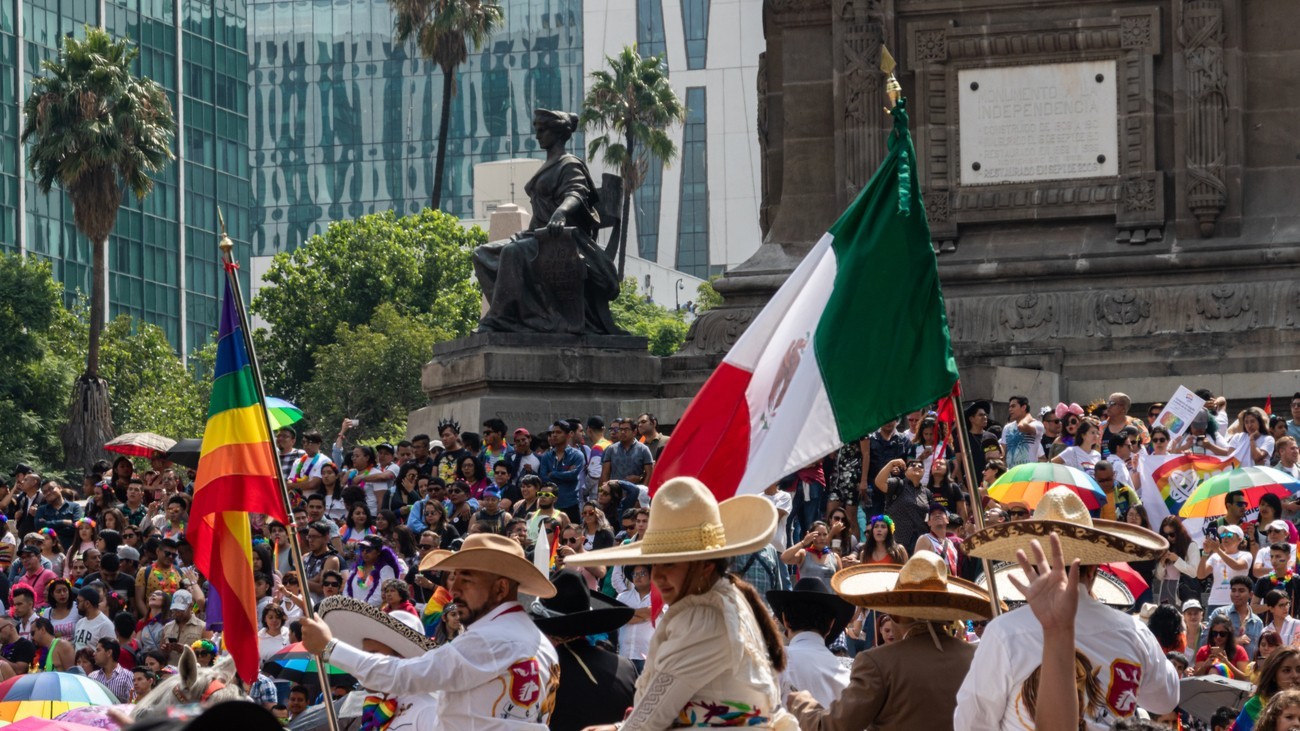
(1056, 121)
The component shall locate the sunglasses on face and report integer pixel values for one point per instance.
(571, 541)
(1220, 633)
(427, 546)
(1018, 513)
(1227, 536)
(332, 584)
(545, 494)
(455, 491)
(1158, 440)
(1170, 535)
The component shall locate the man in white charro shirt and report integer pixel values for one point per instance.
(500, 675)
(1114, 648)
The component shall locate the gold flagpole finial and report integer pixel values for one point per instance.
(892, 88)
(225, 243)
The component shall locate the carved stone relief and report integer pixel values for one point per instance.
(1201, 33)
(1131, 312)
(858, 30)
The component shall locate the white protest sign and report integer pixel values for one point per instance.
(1178, 413)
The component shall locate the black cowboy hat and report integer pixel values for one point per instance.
(575, 611)
(974, 406)
(814, 591)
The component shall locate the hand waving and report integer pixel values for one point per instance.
(1052, 592)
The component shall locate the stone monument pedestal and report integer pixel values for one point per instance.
(530, 380)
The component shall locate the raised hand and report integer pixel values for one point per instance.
(1053, 591)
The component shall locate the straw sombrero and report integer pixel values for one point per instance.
(919, 589)
(351, 621)
(1060, 511)
(688, 524)
(493, 554)
(433, 558)
(1106, 588)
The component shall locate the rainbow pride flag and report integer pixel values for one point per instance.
(434, 609)
(236, 476)
(1179, 476)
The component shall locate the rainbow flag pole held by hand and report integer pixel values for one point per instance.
(237, 475)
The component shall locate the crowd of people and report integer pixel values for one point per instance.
(836, 615)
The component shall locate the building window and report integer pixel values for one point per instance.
(695, 21)
(650, 30)
(646, 201)
(693, 215)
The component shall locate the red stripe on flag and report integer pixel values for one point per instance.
(242, 494)
(223, 553)
(711, 442)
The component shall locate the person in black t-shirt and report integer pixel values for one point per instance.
(1283, 578)
(886, 444)
(16, 652)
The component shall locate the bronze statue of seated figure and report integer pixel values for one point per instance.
(552, 278)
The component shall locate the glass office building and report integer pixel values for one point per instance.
(163, 262)
(345, 121)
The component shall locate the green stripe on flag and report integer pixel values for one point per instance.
(882, 342)
(233, 391)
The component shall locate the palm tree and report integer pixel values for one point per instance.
(443, 31)
(634, 101)
(94, 128)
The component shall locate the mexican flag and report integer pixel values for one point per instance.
(855, 337)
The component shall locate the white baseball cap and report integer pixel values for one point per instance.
(1192, 604)
(1276, 525)
(1235, 530)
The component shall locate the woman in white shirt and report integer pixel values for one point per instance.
(1083, 455)
(1176, 579)
(1278, 616)
(1252, 445)
(1224, 559)
(274, 635)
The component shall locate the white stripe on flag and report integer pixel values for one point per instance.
(801, 428)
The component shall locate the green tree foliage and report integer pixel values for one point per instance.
(372, 373)
(706, 297)
(149, 388)
(35, 374)
(665, 328)
(418, 264)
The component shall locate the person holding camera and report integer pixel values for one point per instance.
(906, 499)
(813, 554)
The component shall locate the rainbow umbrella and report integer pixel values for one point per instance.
(1207, 500)
(282, 412)
(295, 664)
(34, 723)
(1027, 483)
(46, 695)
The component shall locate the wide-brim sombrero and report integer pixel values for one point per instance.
(494, 554)
(351, 621)
(944, 599)
(1060, 511)
(1106, 588)
(688, 524)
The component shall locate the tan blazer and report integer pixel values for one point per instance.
(903, 686)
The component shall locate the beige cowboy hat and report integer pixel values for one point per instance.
(352, 621)
(919, 589)
(433, 558)
(1093, 542)
(493, 554)
(688, 524)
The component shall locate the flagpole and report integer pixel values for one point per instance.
(972, 494)
(295, 550)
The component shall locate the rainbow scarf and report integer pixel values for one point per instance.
(377, 712)
(433, 610)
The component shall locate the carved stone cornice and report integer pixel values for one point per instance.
(798, 12)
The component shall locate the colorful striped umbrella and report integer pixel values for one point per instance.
(1027, 483)
(295, 664)
(282, 413)
(1207, 500)
(47, 695)
(35, 723)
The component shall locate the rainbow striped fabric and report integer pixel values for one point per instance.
(434, 609)
(236, 476)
